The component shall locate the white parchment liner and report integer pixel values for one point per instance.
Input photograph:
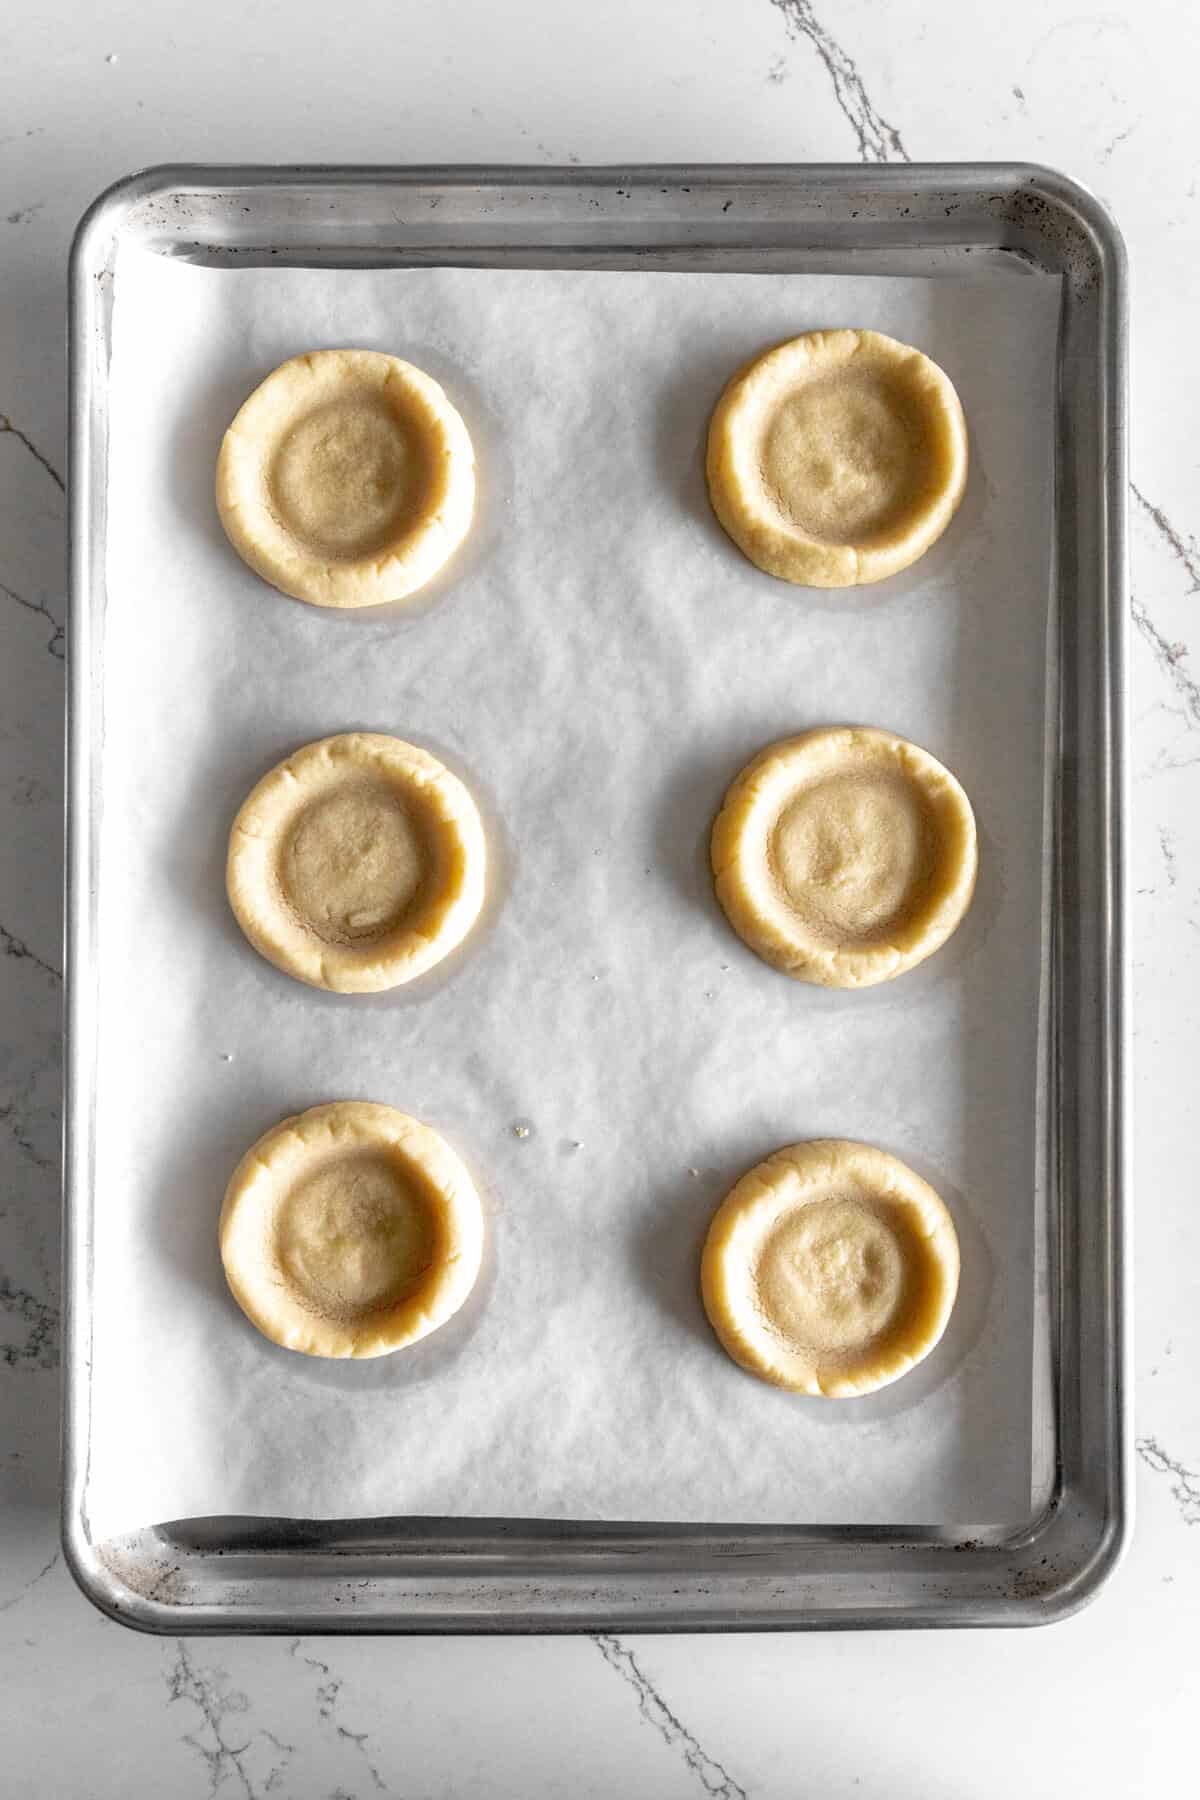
(599, 663)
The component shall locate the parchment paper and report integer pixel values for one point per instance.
(598, 664)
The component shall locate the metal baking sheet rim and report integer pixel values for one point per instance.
(508, 1576)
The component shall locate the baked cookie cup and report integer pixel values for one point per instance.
(831, 1269)
(357, 864)
(347, 478)
(845, 855)
(351, 1230)
(837, 458)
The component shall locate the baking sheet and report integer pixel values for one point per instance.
(599, 663)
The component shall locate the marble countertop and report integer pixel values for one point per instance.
(1105, 1702)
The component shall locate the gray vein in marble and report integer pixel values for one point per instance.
(713, 1778)
(8, 429)
(207, 1690)
(12, 1118)
(30, 1113)
(1185, 550)
(40, 1349)
(5, 1605)
(1169, 658)
(329, 1690)
(55, 644)
(1166, 844)
(1185, 1484)
(12, 945)
(1106, 153)
(1164, 760)
(877, 140)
